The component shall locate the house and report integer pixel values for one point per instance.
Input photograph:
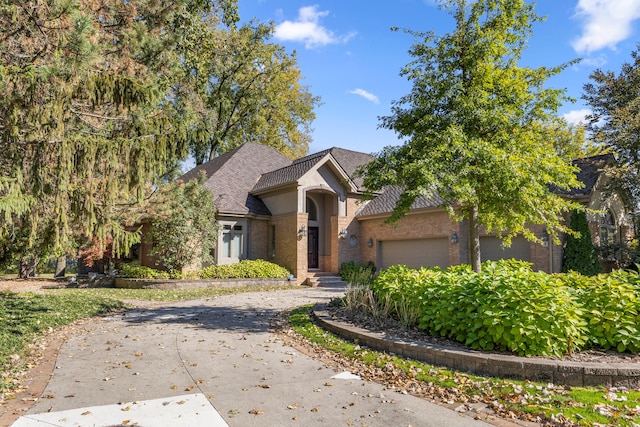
(308, 215)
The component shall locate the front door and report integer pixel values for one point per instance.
(312, 247)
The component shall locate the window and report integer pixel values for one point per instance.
(232, 241)
(312, 210)
(607, 229)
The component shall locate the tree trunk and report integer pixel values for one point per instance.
(28, 267)
(61, 266)
(474, 239)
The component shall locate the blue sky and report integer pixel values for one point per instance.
(351, 59)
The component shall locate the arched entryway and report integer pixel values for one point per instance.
(320, 207)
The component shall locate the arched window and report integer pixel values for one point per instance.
(312, 210)
(608, 235)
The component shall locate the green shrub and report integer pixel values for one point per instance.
(610, 304)
(505, 307)
(246, 269)
(509, 307)
(357, 274)
(137, 271)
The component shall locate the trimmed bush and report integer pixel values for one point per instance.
(137, 271)
(246, 269)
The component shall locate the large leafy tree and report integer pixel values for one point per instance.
(248, 90)
(477, 127)
(615, 121)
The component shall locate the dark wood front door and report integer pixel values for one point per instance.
(312, 247)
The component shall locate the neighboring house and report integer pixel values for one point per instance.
(308, 215)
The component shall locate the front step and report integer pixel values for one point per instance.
(325, 280)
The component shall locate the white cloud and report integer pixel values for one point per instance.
(366, 95)
(576, 117)
(604, 23)
(307, 29)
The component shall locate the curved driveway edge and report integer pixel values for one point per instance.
(215, 362)
(488, 364)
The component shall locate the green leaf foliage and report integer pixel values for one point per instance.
(357, 274)
(479, 130)
(579, 253)
(245, 269)
(614, 122)
(508, 307)
(184, 232)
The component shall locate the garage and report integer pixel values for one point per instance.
(491, 249)
(414, 253)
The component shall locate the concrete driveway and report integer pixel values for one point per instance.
(214, 363)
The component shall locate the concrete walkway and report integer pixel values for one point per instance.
(214, 363)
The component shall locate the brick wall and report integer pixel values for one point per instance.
(437, 223)
(259, 239)
(427, 224)
(291, 251)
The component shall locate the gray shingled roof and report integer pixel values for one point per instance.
(231, 176)
(348, 160)
(590, 170)
(384, 203)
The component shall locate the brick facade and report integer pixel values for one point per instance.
(418, 225)
(259, 239)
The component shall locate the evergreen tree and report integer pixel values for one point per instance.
(579, 253)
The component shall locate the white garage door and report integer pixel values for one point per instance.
(415, 253)
(491, 249)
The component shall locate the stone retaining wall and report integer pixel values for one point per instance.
(489, 364)
(197, 284)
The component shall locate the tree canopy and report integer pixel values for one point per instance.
(99, 99)
(614, 121)
(184, 232)
(248, 91)
(477, 127)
